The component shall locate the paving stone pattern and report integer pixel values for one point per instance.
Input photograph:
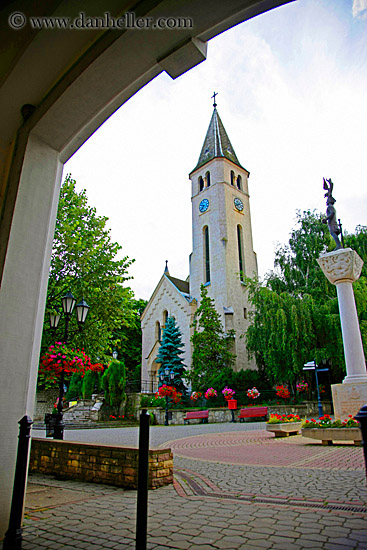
(216, 502)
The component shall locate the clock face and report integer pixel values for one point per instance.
(204, 205)
(238, 204)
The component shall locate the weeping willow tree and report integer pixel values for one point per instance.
(281, 334)
(287, 331)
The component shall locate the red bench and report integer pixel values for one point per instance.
(253, 412)
(192, 415)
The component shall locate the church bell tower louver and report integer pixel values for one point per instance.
(221, 231)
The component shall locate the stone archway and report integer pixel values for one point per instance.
(57, 89)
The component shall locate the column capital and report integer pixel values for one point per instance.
(343, 265)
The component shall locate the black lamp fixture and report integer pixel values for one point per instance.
(68, 303)
(54, 319)
(115, 354)
(81, 312)
(166, 378)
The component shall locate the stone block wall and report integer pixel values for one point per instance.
(45, 400)
(112, 465)
(304, 410)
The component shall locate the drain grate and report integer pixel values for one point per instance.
(199, 490)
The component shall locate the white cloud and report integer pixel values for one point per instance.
(359, 9)
(291, 89)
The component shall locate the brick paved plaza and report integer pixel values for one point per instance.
(236, 487)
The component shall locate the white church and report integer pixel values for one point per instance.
(222, 255)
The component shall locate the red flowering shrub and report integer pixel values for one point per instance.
(283, 392)
(195, 396)
(169, 391)
(59, 358)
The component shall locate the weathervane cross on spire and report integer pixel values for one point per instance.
(213, 97)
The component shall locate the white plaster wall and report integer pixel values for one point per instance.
(222, 219)
(22, 297)
(165, 298)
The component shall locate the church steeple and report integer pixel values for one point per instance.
(216, 143)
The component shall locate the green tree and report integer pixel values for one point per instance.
(296, 314)
(91, 384)
(212, 348)
(84, 261)
(113, 383)
(296, 269)
(169, 354)
(281, 335)
(358, 242)
(128, 342)
(75, 387)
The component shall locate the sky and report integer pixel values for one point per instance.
(292, 95)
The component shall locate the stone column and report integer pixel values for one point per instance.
(342, 267)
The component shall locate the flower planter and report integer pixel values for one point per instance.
(328, 435)
(284, 429)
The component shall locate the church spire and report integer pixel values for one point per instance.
(216, 142)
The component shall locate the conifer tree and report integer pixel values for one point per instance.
(113, 383)
(169, 354)
(212, 353)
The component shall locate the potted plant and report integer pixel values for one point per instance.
(210, 392)
(328, 430)
(283, 425)
(253, 393)
(228, 393)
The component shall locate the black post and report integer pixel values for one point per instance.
(13, 536)
(321, 412)
(143, 475)
(59, 425)
(361, 416)
(166, 423)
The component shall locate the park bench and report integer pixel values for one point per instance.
(192, 415)
(253, 412)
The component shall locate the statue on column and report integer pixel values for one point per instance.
(330, 219)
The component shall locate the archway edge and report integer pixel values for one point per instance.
(70, 104)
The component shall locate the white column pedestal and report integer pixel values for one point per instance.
(342, 267)
(352, 341)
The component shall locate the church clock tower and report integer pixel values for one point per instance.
(221, 229)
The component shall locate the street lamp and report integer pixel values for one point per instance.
(115, 354)
(311, 365)
(68, 303)
(166, 378)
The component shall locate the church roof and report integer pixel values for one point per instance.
(182, 286)
(216, 143)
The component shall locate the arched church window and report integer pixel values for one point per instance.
(207, 175)
(239, 182)
(232, 177)
(241, 260)
(206, 255)
(165, 317)
(158, 331)
(201, 184)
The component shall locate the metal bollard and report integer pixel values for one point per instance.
(361, 416)
(13, 536)
(143, 473)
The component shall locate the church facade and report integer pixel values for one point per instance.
(222, 256)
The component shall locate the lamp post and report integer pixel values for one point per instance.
(166, 378)
(311, 365)
(115, 354)
(68, 303)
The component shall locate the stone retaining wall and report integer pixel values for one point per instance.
(112, 465)
(224, 415)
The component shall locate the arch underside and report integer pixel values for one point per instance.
(73, 81)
